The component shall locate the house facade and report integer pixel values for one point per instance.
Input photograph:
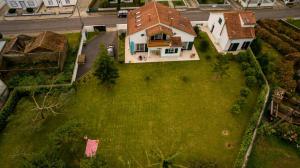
(159, 30)
(257, 3)
(232, 31)
(23, 4)
(59, 3)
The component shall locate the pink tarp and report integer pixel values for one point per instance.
(91, 147)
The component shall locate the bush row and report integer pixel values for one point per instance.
(247, 138)
(284, 37)
(281, 28)
(283, 47)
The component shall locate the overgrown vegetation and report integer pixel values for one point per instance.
(43, 77)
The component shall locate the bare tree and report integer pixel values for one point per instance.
(49, 105)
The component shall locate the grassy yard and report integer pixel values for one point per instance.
(175, 106)
(271, 152)
(294, 22)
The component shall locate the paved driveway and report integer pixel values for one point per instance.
(91, 50)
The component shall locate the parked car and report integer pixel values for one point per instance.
(122, 13)
(111, 50)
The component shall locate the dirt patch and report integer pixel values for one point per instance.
(229, 145)
(225, 132)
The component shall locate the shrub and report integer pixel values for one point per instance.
(11, 10)
(242, 57)
(29, 10)
(208, 57)
(250, 71)
(251, 81)
(203, 45)
(45, 159)
(95, 162)
(244, 92)
(184, 79)
(236, 109)
(245, 65)
(256, 46)
(1, 36)
(196, 29)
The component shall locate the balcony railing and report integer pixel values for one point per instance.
(158, 43)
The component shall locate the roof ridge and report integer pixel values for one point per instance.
(42, 38)
(156, 11)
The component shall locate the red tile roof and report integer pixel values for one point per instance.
(154, 13)
(159, 29)
(235, 29)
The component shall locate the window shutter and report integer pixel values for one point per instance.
(146, 48)
(176, 50)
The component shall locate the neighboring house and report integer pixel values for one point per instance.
(2, 3)
(47, 47)
(159, 30)
(291, 2)
(59, 3)
(257, 3)
(116, 1)
(23, 4)
(232, 30)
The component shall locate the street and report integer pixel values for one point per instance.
(68, 24)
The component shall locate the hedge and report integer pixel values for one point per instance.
(9, 107)
(249, 133)
(287, 38)
(282, 46)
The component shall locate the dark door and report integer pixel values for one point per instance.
(233, 46)
(245, 45)
(212, 29)
(100, 28)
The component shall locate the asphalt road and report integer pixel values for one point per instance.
(68, 24)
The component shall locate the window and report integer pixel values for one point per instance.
(171, 50)
(142, 35)
(158, 37)
(67, 1)
(245, 45)
(13, 4)
(140, 47)
(50, 2)
(30, 3)
(220, 21)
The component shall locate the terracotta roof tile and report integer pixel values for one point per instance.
(154, 13)
(248, 17)
(159, 29)
(234, 27)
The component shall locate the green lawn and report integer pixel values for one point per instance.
(294, 22)
(181, 108)
(270, 152)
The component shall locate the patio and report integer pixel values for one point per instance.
(142, 57)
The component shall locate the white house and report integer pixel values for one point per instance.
(291, 2)
(23, 4)
(159, 30)
(232, 30)
(59, 3)
(257, 3)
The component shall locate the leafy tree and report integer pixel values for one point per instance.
(221, 67)
(251, 81)
(67, 139)
(245, 92)
(196, 29)
(106, 70)
(203, 45)
(256, 46)
(44, 159)
(95, 162)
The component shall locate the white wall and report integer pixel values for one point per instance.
(36, 3)
(137, 38)
(72, 2)
(54, 3)
(253, 4)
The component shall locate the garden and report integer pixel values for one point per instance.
(192, 114)
(43, 77)
(277, 50)
(95, 4)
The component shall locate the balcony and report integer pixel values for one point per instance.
(158, 43)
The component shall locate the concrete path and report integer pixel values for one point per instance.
(91, 50)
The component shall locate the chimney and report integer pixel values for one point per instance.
(171, 21)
